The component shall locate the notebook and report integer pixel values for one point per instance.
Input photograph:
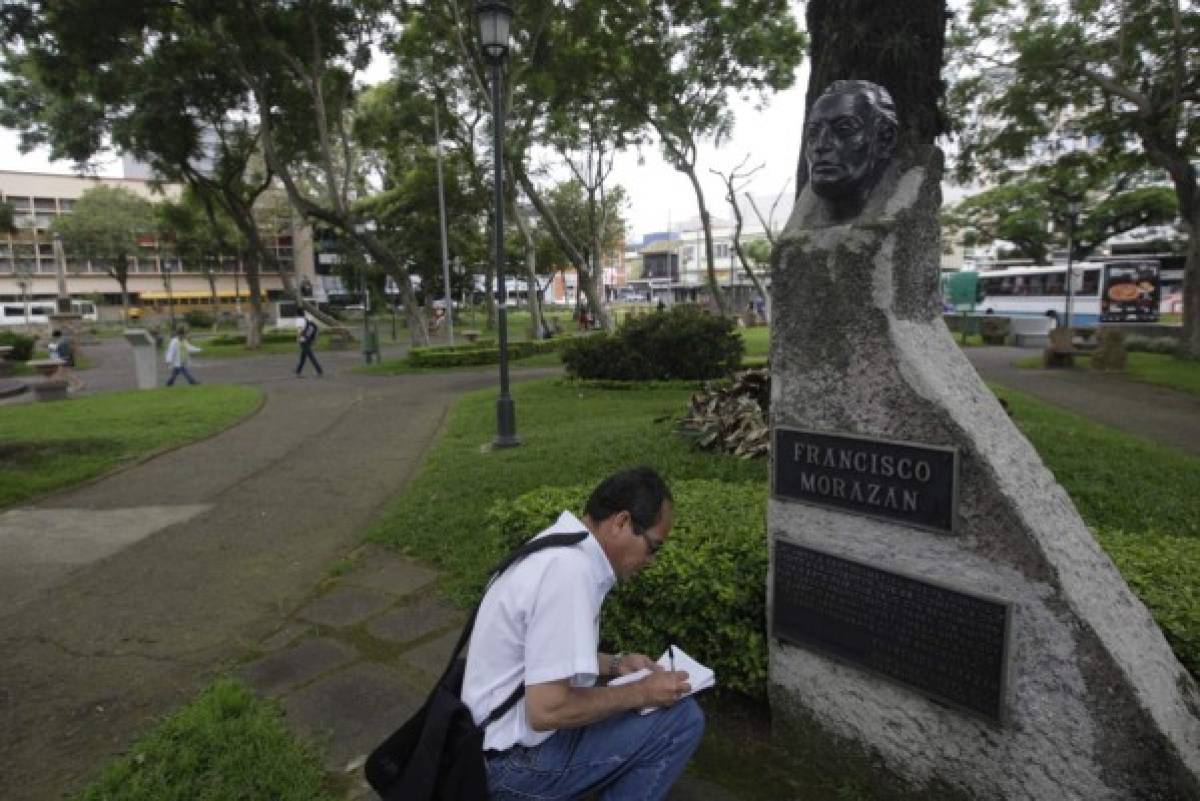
(699, 676)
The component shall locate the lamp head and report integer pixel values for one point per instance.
(494, 19)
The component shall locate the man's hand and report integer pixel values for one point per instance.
(664, 687)
(632, 663)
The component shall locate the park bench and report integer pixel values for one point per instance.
(995, 330)
(50, 389)
(1031, 331)
(47, 367)
(470, 335)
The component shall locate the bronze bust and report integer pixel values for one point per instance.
(850, 137)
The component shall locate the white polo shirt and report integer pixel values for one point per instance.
(539, 622)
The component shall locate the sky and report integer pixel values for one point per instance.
(659, 195)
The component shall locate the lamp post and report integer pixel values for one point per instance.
(437, 133)
(494, 19)
(1073, 208)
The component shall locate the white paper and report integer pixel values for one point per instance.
(699, 676)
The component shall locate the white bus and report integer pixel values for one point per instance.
(18, 312)
(1115, 291)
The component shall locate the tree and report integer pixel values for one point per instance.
(1031, 210)
(679, 63)
(104, 227)
(736, 180)
(1119, 73)
(199, 238)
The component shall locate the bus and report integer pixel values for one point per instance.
(37, 312)
(1111, 291)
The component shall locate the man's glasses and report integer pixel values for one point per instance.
(652, 543)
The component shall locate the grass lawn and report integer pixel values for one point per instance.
(240, 351)
(227, 744)
(44, 446)
(572, 434)
(1153, 368)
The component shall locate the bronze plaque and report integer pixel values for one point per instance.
(905, 483)
(949, 645)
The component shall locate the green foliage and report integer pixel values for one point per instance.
(277, 337)
(1163, 569)
(680, 343)
(474, 354)
(571, 434)
(1166, 346)
(44, 446)
(21, 344)
(704, 590)
(104, 226)
(197, 319)
(226, 744)
(8, 220)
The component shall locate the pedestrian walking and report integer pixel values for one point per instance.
(306, 336)
(179, 355)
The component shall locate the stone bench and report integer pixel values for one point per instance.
(1031, 331)
(46, 367)
(470, 335)
(51, 389)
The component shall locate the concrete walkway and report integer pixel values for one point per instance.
(122, 599)
(1159, 414)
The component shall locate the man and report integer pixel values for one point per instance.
(539, 624)
(306, 335)
(849, 138)
(179, 356)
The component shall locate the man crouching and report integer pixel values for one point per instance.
(540, 624)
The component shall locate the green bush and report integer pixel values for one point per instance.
(22, 345)
(277, 336)
(475, 353)
(1162, 570)
(198, 319)
(704, 591)
(683, 342)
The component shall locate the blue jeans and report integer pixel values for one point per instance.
(306, 353)
(629, 757)
(181, 370)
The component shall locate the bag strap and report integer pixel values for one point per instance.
(533, 546)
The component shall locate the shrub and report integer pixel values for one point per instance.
(22, 345)
(1162, 570)
(276, 336)
(1111, 354)
(198, 319)
(705, 591)
(683, 342)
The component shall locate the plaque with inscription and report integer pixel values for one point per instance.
(948, 644)
(912, 484)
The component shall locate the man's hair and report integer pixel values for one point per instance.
(879, 98)
(639, 491)
(180, 331)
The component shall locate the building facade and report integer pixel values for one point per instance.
(28, 268)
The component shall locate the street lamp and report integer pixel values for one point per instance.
(494, 19)
(1074, 206)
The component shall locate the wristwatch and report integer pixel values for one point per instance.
(614, 664)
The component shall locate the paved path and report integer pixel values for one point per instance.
(1156, 413)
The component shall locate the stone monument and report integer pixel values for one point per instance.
(936, 604)
(64, 318)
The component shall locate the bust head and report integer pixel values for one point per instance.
(850, 136)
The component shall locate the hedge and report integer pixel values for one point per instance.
(22, 345)
(704, 591)
(684, 342)
(275, 336)
(475, 354)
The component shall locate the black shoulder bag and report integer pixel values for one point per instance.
(437, 755)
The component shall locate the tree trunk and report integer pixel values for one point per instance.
(256, 318)
(536, 317)
(1190, 342)
(710, 259)
(741, 254)
(896, 45)
(214, 304)
(578, 260)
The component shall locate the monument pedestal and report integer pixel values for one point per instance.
(935, 599)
